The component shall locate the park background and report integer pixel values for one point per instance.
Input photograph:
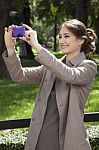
(45, 16)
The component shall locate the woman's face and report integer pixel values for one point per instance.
(69, 43)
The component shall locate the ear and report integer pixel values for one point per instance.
(81, 41)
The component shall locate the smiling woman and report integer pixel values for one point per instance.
(57, 120)
(74, 38)
(69, 43)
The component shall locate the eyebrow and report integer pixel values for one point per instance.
(65, 34)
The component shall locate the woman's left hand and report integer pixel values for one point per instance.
(30, 37)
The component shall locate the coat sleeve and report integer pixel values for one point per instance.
(22, 74)
(84, 74)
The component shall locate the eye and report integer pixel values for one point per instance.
(66, 36)
(59, 36)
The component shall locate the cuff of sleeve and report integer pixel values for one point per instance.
(9, 58)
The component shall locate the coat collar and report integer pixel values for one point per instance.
(76, 60)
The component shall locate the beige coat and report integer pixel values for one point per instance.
(77, 80)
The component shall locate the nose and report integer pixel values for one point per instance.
(61, 40)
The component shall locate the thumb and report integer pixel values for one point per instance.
(23, 38)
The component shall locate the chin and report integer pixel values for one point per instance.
(65, 51)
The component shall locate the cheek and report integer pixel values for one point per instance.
(74, 42)
(59, 43)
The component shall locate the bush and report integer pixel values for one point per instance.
(15, 139)
(93, 133)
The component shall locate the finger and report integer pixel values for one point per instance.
(10, 28)
(13, 25)
(27, 34)
(13, 38)
(23, 38)
(6, 29)
(28, 27)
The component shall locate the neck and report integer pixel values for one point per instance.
(71, 55)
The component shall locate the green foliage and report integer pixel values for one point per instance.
(95, 56)
(13, 136)
(15, 139)
(93, 133)
(54, 9)
(29, 62)
(11, 146)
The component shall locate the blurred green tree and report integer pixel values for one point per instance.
(94, 19)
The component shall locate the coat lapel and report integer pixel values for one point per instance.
(78, 59)
(74, 61)
(47, 85)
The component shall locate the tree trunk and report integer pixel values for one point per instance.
(69, 8)
(26, 19)
(55, 34)
(5, 7)
(82, 10)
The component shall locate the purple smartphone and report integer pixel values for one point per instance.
(18, 31)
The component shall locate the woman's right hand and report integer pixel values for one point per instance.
(9, 40)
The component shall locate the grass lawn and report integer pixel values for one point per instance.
(17, 100)
(93, 99)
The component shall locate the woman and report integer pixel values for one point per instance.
(57, 120)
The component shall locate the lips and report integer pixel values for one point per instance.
(63, 46)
